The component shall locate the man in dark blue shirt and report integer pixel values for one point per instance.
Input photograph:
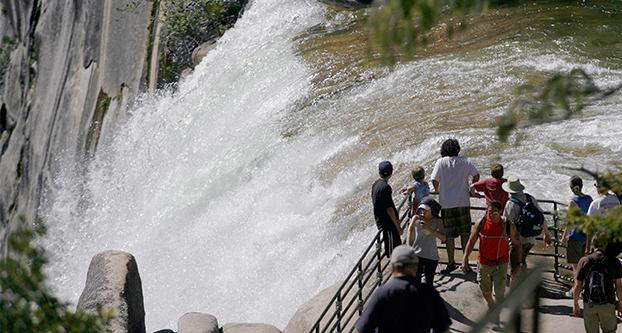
(384, 208)
(402, 305)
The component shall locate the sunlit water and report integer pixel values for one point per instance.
(242, 195)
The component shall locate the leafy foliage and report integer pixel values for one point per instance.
(26, 303)
(7, 45)
(189, 23)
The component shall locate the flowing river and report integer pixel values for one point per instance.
(247, 191)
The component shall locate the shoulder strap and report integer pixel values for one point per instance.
(518, 202)
(481, 224)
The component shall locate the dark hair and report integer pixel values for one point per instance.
(418, 173)
(576, 184)
(496, 170)
(495, 204)
(450, 147)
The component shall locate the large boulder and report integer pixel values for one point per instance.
(113, 282)
(196, 322)
(249, 328)
(201, 51)
(308, 313)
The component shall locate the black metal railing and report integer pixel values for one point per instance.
(371, 271)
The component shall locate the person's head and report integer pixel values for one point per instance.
(385, 169)
(601, 188)
(404, 260)
(494, 210)
(513, 185)
(418, 173)
(424, 211)
(431, 206)
(450, 147)
(576, 184)
(496, 171)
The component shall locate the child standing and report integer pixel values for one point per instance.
(418, 190)
(425, 227)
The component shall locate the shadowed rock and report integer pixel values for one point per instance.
(196, 322)
(113, 283)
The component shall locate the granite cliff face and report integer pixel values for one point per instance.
(68, 70)
(73, 68)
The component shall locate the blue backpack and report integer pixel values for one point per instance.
(531, 220)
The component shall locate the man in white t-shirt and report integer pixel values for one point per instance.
(451, 180)
(603, 203)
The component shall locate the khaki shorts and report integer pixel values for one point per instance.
(487, 276)
(603, 315)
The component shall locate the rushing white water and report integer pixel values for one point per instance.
(238, 199)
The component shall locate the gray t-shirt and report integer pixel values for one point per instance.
(424, 242)
(512, 213)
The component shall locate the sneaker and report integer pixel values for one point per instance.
(569, 293)
(449, 268)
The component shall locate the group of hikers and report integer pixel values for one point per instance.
(506, 234)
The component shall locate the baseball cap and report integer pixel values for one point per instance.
(432, 205)
(385, 168)
(404, 255)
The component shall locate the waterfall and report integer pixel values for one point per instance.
(239, 197)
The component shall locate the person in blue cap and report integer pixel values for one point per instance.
(384, 208)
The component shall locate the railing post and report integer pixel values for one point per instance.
(360, 291)
(339, 314)
(379, 256)
(556, 242)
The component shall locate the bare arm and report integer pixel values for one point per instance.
(469, 247)
(475, 179)
(578, 286)
(411, 229)
(435, 231)
(436, 185)
(547, 234)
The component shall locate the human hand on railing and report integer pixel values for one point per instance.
(564, 240)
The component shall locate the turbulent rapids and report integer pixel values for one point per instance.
(247, 191)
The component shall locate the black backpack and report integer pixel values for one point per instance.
(531, 220)
(594, 288)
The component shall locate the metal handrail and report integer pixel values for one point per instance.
(376, 268)
(528, 287)
(356, 288)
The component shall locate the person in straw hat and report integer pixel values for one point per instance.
(517, 210)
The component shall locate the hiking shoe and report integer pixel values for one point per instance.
(449, 268)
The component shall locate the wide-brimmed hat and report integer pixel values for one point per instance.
(513, 185)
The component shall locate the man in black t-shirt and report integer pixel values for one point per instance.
(403, 305)
(599, 277)
(384, 208)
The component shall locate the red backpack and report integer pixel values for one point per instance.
(493, 244)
